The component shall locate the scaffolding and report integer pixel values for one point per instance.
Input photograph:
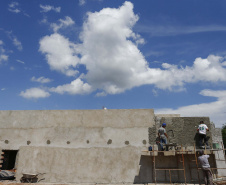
(217, 181)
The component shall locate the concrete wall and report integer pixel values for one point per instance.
(75, 128)
(219, 155)
(106, 165)
(183, 130)
(77, 145)
(162, 165)
(96, 165)
(91, 146)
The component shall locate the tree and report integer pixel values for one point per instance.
(223, 131)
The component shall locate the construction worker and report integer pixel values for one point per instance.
(203, 160)
(202, 134)
(162, 135)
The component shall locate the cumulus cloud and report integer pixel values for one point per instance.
(211, 69)
(41, 79)
(34, 93)
(113, 62)
(60, 54)
(75, 87)
(62, 23)
(215, 110)
(47, 8)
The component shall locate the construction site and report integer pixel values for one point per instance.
(106, 146)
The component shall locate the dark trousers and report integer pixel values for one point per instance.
(207, 176)
(201, 138)
(162, 140)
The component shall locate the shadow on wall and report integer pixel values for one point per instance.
(147, 174)
(146, 171)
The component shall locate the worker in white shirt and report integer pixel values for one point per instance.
(202, 134)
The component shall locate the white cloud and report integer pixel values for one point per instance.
(211, 69)
(114, 64)
(82, 2)
(3, 56)
(47, 8)
(60, 54)
(62, 23)
(35, 93)
(15, 41)
(41, 79)
(20, 61)
(14, 7)
(215, 110)
(75, 87)
(44, 20)
(169, 30)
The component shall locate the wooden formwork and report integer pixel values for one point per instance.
(182, 152)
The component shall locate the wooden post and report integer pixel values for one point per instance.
(183, 164)
(197, 164)
(154, 163)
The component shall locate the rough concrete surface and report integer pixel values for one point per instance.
(105, 165)
(183, 130)
(119, 118)
(219, 155)
(14, 183)
(100, 165)
(99, 146)
(75, 128)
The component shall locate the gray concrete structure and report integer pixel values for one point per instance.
(96, 146)
(183, 130)
(75, 128)
(219, 155)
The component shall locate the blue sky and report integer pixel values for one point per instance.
(86, 54)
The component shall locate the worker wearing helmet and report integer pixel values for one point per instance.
(162, 135)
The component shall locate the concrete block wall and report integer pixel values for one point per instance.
(183, 130)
